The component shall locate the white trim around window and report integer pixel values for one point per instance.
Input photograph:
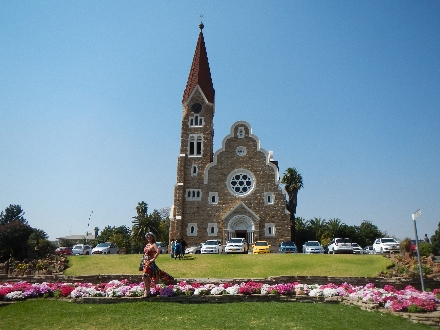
(193, 194)
(212, 229)
(269, 198)
(269, 229)
(213, 198)
(191, 230)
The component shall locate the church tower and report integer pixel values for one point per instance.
(196, 146)
(232, 193)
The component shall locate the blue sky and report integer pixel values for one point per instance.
(348, 92)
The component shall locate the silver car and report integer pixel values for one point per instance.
(163, 247)
(83, 249)
(312, 247)
(106, 248)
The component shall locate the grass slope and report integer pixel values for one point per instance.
(235, 266)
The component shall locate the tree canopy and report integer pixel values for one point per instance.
(293, 182)
(12, 213)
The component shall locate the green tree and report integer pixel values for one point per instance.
(435, 241)
(38, 236)
(318, 227)
(120, 235)
(13, 240)
(293, 182)
(144, 223)
(334, 227)
(12, 213)
(369, 233)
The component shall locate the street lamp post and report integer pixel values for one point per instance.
(415, 215)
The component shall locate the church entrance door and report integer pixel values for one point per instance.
(241, 234)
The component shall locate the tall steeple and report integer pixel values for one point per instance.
(200, 74)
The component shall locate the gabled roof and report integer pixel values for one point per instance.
(200, 74)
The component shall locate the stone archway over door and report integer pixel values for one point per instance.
(241, 226)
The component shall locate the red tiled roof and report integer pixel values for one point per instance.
(200, 73)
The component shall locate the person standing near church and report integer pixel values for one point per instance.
(173, 245)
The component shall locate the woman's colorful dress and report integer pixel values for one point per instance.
(154, 272)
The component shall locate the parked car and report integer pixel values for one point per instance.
(260, 247)
(163, 247)
(63, 250)
(386, 245)
(194, 249)
(105, 248)
(212, 246)
(236, 245)
(81, 249)
(368, 249)
(357, 249)
(288, 247)
(340, 245)
(312, 247)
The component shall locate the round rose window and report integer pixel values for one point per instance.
(241, 182)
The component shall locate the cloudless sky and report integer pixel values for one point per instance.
(347, 92)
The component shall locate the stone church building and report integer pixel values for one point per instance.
(234, 192)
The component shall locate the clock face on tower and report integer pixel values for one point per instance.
(196, 107)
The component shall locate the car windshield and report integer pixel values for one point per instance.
(388, 240)
(287, 244)
(235, 240)
(312, 244)
(103, 245)
(77, 247)
(261, 244)
(343, 240)
(355, 244)
(211, 243)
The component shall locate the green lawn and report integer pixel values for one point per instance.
(62, 314)
(235, 265)
(52, 314)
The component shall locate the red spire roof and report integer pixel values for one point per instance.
(200, 74)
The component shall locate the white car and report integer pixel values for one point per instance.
(212, 246)
(236, 245)
(340, 245)
(194, 249)
(386, 245)
(106, 248)
(368, 249)
(357, 249)
(83, 249)
(312, 247)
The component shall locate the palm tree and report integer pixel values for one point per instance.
(334, 227)
(318, 226)
(37, 236)
(293, 183)
(141, 223)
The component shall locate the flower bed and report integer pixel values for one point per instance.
(407, 300)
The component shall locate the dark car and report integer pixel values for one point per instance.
(63, 250)
(288, 247)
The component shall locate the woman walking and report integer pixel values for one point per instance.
(151, 272)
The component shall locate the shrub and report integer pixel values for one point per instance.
(425, 248)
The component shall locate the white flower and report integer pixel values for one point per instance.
(233, 289)
(216, 290)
